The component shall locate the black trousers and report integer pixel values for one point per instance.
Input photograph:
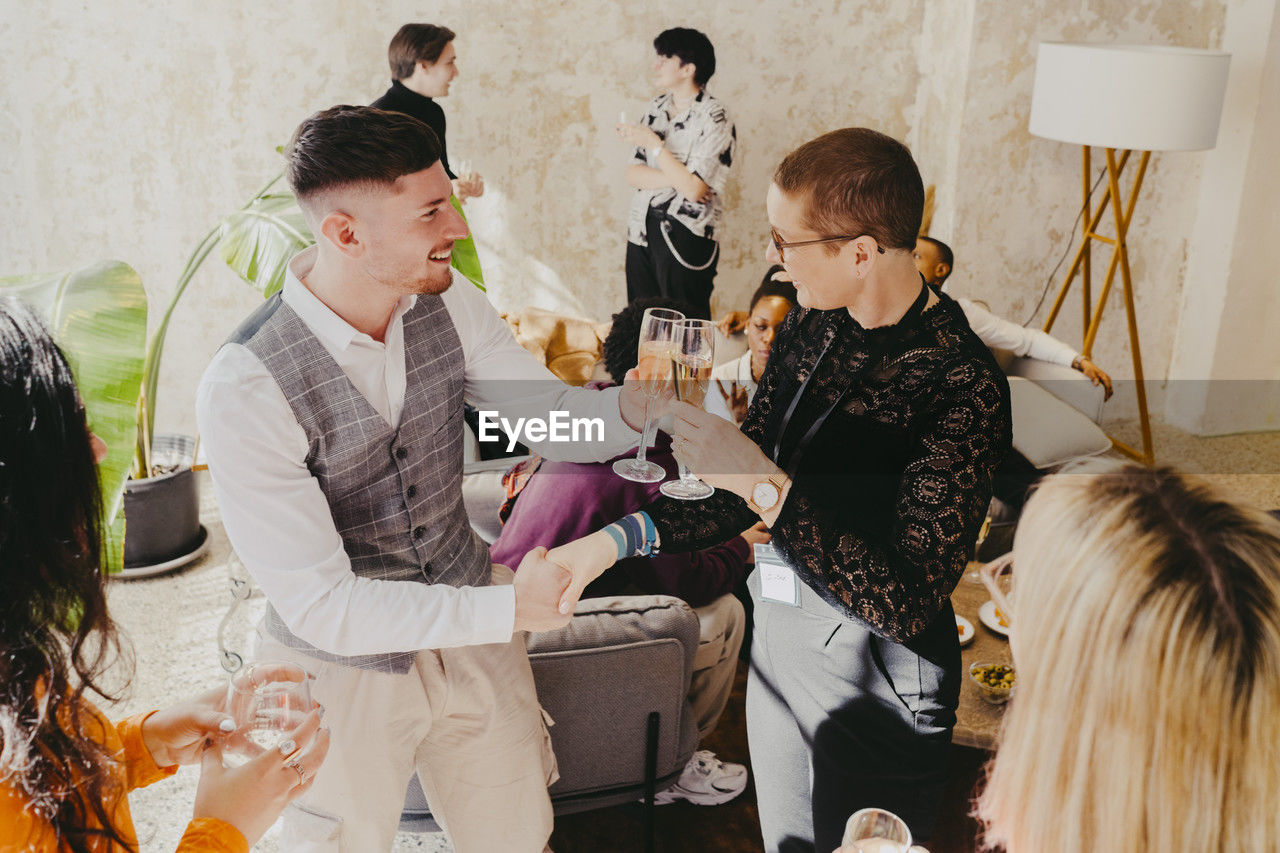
(654, 271)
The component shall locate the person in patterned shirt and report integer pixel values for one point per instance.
(868, 450)
(684, 148)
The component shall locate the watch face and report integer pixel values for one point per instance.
(764, 495)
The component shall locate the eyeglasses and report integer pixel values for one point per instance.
(992, 575)
(780, 245)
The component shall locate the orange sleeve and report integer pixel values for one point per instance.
(210, 834)
(140, 768)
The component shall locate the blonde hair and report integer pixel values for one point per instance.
(1146, 634)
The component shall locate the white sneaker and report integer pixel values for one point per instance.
(706, 781)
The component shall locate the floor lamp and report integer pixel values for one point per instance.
(1126, 99)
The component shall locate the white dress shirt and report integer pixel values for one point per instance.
(739, 371)
(999, 333)
(277, 517)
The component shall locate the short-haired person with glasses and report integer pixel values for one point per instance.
(333, 423)
(868, 450)
(684, 148)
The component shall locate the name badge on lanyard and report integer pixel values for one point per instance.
(778, 583)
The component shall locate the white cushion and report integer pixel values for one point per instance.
(1047, 431)
(1068, 385)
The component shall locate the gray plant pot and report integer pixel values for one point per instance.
(162, 513)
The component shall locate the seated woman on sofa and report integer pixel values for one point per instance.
(736, 380)
(1146, 634)
(65, 769)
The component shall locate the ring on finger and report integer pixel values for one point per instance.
(287, 747)
(297, 768)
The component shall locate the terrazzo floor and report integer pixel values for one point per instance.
(172, 621)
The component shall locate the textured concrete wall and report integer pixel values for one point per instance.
(126, 129)
(1231, 305)
(129, 127)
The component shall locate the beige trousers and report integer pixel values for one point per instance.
(720, 624)
(467, 719)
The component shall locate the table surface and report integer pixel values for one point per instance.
(977, 720)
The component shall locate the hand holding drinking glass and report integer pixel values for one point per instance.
(692, 355)
(251, 796)
(267, 701)
(469, 183)
(657, 333)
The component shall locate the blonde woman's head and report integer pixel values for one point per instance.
(1146, 634)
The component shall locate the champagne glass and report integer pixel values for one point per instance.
(268, 700)
(877, 831)
(657, 332)
(972, 575)
(692, 355)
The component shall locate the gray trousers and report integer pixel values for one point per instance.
(839, 719)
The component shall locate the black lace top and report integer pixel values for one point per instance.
(888, 496)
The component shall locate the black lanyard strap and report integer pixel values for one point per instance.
(874, 357)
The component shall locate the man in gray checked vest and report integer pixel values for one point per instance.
(333, 423)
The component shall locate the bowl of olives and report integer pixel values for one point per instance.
(995, 681)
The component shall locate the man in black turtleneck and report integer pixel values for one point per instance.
(423, 64)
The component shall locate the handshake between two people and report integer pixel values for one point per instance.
(549, 583)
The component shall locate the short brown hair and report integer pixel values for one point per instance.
(414, 43)
(352, 145)
(859, 182)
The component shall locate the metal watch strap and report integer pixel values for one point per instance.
(775, 480)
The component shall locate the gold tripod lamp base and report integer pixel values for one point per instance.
(1124, 99)
(1081, 267)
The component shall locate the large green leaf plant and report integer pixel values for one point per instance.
(98, 316)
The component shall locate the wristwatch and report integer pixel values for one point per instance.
(766, 493)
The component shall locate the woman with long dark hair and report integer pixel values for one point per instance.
(65, 769)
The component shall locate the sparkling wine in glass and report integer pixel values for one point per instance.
(657, 331)
(267, 700)
(877, 831)
(692, 356)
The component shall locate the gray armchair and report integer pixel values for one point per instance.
(615, 682)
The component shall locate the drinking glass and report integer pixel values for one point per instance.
(268, 700)
(997, 577)
(692, 355)
(972, 574)
(877, 831)
(657, 332)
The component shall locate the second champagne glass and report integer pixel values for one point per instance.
(657, 332)
(692, 355)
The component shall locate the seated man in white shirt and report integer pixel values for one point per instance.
(935, 260)
(333, 423)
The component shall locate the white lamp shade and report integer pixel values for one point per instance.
(1137, 97)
